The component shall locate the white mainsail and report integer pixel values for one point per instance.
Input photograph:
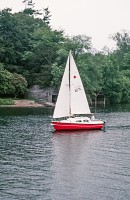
(79, 103)
(71, 99)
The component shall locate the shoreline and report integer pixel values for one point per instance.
(25, 103)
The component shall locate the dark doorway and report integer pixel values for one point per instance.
(54, 98)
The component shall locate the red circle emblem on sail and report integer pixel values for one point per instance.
(74, 76)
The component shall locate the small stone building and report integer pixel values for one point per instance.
(43, 94)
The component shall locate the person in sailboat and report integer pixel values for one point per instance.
(92, 118)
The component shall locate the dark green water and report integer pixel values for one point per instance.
(37, 163)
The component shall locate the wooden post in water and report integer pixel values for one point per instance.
(95, 102)
(104, 102)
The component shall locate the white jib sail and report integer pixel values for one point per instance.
(71, 98)
(62, 103)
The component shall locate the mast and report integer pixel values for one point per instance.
(69, 88)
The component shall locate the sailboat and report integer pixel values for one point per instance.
(72, 110)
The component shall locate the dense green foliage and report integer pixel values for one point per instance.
(6, 102)
(31, 52)
(12, 84)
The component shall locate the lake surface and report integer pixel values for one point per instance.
(37, 163)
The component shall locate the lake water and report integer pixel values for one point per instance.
(37, 163)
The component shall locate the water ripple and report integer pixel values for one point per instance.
(37, 163)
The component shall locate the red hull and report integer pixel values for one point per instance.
(74, 126)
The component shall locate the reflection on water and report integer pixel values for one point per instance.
(38, 163)
(91, 166)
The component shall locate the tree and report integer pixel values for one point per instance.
(125, 90)
(20, 85)
(46, 15)
(90, 68)
(43, 54)
(7, 37)
(78, 45)
(11, 84)
(112, 81)
(5, 82)
(122, 41)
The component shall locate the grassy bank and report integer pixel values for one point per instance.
(19, 103)
(6, 101)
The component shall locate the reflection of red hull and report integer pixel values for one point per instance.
(76, 126)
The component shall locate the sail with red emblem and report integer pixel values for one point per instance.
(71, 98)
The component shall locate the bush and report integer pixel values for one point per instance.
(11, 84)
(6, 102)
